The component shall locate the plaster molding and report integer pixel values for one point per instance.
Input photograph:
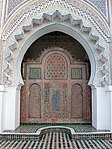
(56, 17)
(78, 8)
(102, 9)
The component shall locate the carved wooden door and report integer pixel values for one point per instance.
(55, 89)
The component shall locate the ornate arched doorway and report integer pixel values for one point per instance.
(56, 82)
(27, 24)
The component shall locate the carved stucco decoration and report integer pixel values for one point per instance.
(15, 4)
(78, 8)
(26, 24)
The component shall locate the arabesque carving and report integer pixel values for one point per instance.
(58, 17)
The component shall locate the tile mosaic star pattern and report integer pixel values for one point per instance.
(56, 67)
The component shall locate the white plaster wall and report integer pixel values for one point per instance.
(94, 107)
(17, 110)
(11, 109)
(109, 94)
(101, 108)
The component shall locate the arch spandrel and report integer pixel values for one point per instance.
(32, 28)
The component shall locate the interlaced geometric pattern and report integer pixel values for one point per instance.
(76, 73)
(35, 73)
(56, 67)
(12, 4)
(101, 5)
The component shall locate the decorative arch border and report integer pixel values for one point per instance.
(80, 8)
(55, 19)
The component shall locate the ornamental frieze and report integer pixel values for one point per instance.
(100, 4)
(77, 8)
(88, 32)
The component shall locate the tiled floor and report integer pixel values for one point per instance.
(55, 140)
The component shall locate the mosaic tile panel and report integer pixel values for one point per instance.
(56, 106)
(56, 67)
(27, 129)
(33, 128)
(56, 101)
(65, 91)
(55, 85)
(101, 5)
(46, 91)
(76, 73)
(35, 73)
(65, 100)
(12, 4)
(46, 111)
